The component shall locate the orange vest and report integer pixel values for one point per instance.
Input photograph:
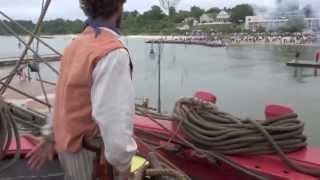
(72, 118)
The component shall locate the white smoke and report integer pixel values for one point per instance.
(288, 8)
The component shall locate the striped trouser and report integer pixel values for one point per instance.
(78, 166)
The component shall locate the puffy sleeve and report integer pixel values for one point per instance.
(112, 98)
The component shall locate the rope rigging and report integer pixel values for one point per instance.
(157, 166)
(8, 132)
(177, 138)
(214, 133)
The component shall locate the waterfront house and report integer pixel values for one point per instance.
(253, 23)
(207, 18)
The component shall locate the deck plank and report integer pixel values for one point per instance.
(21, 171)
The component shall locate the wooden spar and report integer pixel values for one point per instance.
(29, 48)
(43, 88)
(25, 94)
(13, 73)
(9, 61)
(24, 53)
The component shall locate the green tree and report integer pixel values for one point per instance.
(196, 12)
(153, 21)
(172, 12)
(213, 10)
(27, 24)
(181, 15)
(155, 13)
(239, 13)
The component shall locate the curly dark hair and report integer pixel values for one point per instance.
(100, 8)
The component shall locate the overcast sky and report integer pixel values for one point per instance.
(69, 9)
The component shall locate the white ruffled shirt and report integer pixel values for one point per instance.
(113, 101)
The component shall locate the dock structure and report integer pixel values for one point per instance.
(9, 61)
(188, 42)
(299, 64)
(303, 64)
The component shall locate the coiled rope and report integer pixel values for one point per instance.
(215, 131)
(159, 169)
(211, 155)
(214, 134)
(15, 120)
(8, 132)
(205, 125)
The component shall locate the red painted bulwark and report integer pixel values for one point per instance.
(26, 146)
(199, 167)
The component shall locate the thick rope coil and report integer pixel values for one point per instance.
(213, 130)
(8, 132)
(210, 155)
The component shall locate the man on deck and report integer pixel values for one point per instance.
(94, 97)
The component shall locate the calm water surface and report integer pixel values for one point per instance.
(244, 78)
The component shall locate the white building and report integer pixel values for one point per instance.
(190, 20)
(206, 18)
(223, 16)
(254, 22)
(312, 23)
(184, 27)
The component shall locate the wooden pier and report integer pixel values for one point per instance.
(188, 42)
(300, 64)
(9, 61)
(303, 64)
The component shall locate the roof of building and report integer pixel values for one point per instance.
(223, 15)
(210, 15)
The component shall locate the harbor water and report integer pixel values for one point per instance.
(244, 78)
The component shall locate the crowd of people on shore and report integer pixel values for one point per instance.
(248, 38)
(191, 40)
(274, 38)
